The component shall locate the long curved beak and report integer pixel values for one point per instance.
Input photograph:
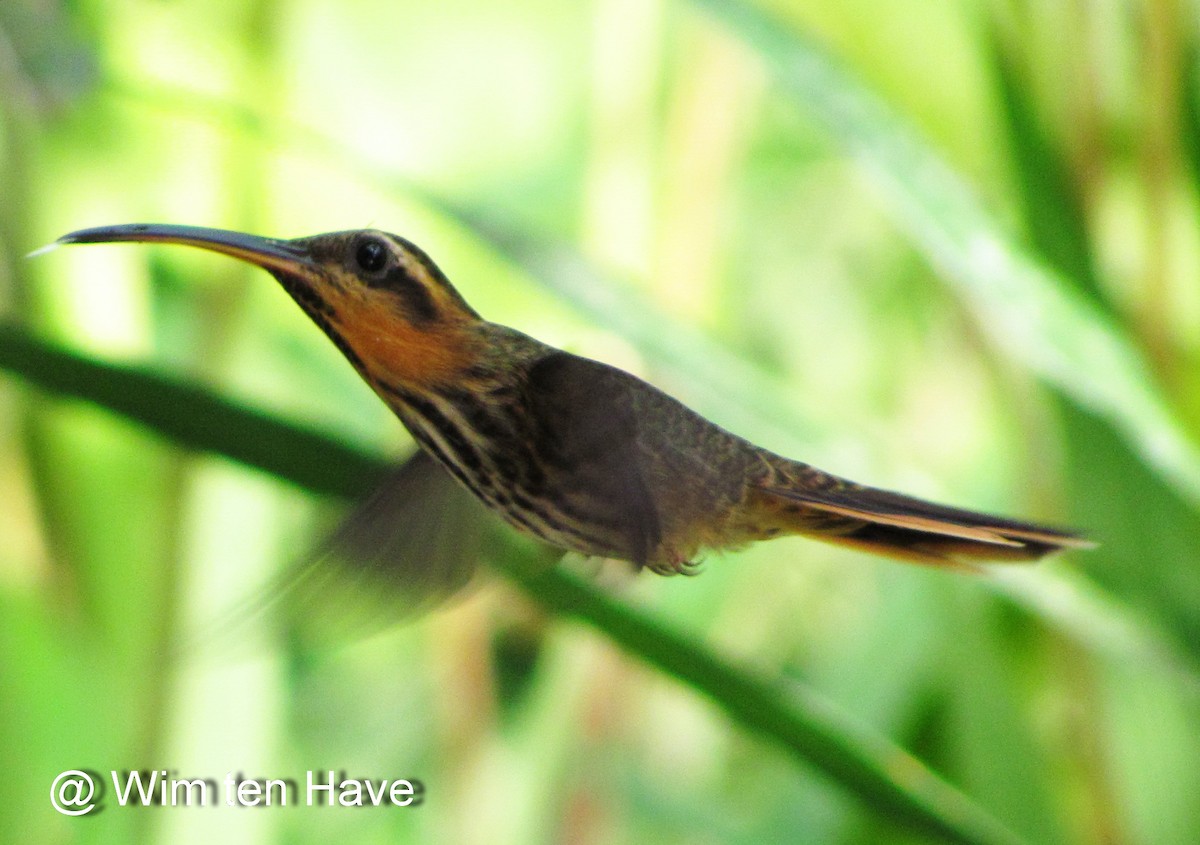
(281, 256)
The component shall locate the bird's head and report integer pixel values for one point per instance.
(378, 297)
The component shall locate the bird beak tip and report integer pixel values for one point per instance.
(50, 247)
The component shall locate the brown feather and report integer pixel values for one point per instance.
(913, 529)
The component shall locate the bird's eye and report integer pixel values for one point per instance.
(371, 255)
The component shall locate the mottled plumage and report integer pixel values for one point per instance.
(580, 454)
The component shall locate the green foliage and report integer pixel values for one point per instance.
(945, 248)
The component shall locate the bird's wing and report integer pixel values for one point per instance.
(414, 542)
(587, 435)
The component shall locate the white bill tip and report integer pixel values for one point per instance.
(43, 250)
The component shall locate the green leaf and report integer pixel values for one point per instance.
(195, 417)
(1103, 473)
(1054, 216)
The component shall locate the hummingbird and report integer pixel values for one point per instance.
(580, 454)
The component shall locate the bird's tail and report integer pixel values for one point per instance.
(904, 527)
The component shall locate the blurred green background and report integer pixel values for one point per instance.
(949, 248)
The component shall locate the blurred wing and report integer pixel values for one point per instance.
(411, 544)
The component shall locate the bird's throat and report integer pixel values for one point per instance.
(398, 353)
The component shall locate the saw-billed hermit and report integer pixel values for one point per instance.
(578, 453)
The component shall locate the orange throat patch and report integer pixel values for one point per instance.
(396, 352)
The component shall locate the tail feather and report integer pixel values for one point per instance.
(904, 527)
